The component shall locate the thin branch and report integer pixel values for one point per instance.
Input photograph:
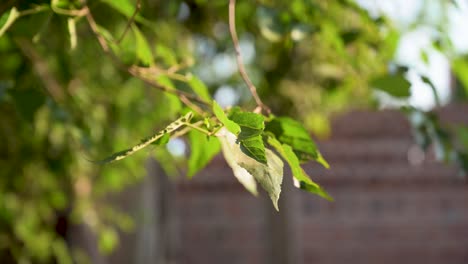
(240, 64)
(130, 21)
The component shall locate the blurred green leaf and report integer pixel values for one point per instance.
(395, 85)
(143, 49)
(203, 149)
(108, 240)
(7, 19)
(199, 87)
(126, 8)
(460, 69)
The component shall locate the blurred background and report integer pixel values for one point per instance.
(381, 85)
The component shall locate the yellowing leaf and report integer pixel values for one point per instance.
(143, 49)
(233, 155)
(248, 170)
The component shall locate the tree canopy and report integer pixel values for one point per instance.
(81, 80)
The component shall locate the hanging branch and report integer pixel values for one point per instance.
(240, 64)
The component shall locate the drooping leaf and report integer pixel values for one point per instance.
(230, 125)
(143, 49)
(199, 87)
(252, 126)
(247, 170)
(395, 85)
(7, 19)
(147, 141)
(126, 8)
(291, 132)
(203, 149)
(269, 176)
(302, 180)
(233, 155)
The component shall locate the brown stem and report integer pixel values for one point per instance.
(240, 64)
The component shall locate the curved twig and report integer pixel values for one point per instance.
(240, 64)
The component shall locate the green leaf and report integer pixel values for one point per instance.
(108, 240)
(460, 69)
(230, 125)
(302, 180)
(247, 170)
(395, 85)
(270, 176)
(126, 8)
(143, 49)
(147, 141)
(7, 19)
(203, 149)
(199, 87)
(291, 132)
(252, 126)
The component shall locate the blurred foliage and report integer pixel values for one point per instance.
(64, 101)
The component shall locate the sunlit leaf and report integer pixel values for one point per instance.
(202, 150)
(230, 125)
(199, 87)
(395, 85)
(302, 180)
(7, 19)
(460, 69)
(143, 49)
(126, 8)
(108, 240)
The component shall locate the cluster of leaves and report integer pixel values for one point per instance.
(83, 78)
(60, 107)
